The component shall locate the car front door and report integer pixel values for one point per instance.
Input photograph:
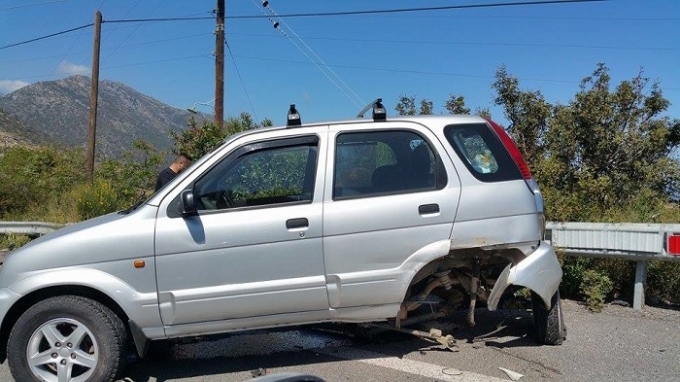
(254, 248)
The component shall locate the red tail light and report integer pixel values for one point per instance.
(512, 149)
(673, 245)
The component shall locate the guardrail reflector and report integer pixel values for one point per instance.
(673, 245)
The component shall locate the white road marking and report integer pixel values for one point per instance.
(423, 369)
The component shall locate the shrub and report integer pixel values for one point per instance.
(12, 241)
(595, 287)
(29, 177)
(96, 199)
(134, 175)
(663, 281)
(573, 269)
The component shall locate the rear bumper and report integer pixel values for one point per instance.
(540, 271)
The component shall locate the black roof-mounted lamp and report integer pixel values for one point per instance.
(379, 112)
(293, 118)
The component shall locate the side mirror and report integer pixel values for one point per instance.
(187, 206)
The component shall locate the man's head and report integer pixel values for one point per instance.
(182, 161)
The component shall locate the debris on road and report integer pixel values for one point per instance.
(512, 374)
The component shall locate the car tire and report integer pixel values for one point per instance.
(72, 337)
(549, 323)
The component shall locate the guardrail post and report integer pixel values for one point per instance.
(640, 282)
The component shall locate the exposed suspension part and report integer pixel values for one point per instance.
(444, 279)
(474, 287)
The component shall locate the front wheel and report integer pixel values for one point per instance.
(67, 338)
(549, 323)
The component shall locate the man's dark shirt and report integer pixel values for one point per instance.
(164, 177)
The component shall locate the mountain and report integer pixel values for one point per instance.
(13, 132)
(60, 110)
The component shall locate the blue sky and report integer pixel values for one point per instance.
(424, 54)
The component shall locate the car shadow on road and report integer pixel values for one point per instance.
(240, 354)
(500, 328)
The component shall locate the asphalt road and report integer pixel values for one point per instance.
(619, 344)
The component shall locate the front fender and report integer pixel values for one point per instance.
(540, 271)
(142, 308)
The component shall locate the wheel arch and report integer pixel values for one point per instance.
(25, 302)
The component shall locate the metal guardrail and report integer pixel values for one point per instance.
(28, 228)
(630, 241)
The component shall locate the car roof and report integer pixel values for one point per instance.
(421, 119)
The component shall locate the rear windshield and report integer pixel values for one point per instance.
(482, 152)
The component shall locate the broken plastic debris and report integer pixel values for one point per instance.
(451, 371)
(511, 374)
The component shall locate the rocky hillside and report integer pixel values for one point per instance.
(60, 110)
(13, 132)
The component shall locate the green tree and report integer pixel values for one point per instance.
(426, 107)
(527, 112)
(605, 151)
(199, 140)
(456, 105)
(406, 105)
(615, 143)
(483, 112)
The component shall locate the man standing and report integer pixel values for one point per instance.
(182, 161)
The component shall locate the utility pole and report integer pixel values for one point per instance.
(219, 66)
(94, 93)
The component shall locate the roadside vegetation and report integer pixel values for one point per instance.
(608, 155)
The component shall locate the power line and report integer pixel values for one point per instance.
(467, 43)
(238, 72)
(318, 14)
(365, 12)
(109, 49)
(419, 9)
(159, 19)
(47, 36)
(403, 70)
(32, 5)
(133, 31)
(320, 64)
(152, 62)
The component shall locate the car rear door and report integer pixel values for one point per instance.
(389, 193)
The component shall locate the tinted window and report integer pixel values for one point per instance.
(482, 152)
(260, 174)
(372, 163)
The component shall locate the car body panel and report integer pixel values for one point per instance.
(539, 271)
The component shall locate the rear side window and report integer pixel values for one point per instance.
(372, 163)
(482, 152)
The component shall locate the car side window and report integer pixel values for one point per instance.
(384, 162)
(261, 174)
(482, 152)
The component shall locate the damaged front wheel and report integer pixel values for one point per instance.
(549, 323)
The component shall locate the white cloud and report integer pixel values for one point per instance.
(8, 86)
(70, 68)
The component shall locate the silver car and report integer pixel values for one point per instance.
(367, 220)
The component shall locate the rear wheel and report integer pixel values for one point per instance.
(67, 338)
(549, 323)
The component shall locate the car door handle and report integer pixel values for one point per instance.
(428, 209)
(297, 223)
